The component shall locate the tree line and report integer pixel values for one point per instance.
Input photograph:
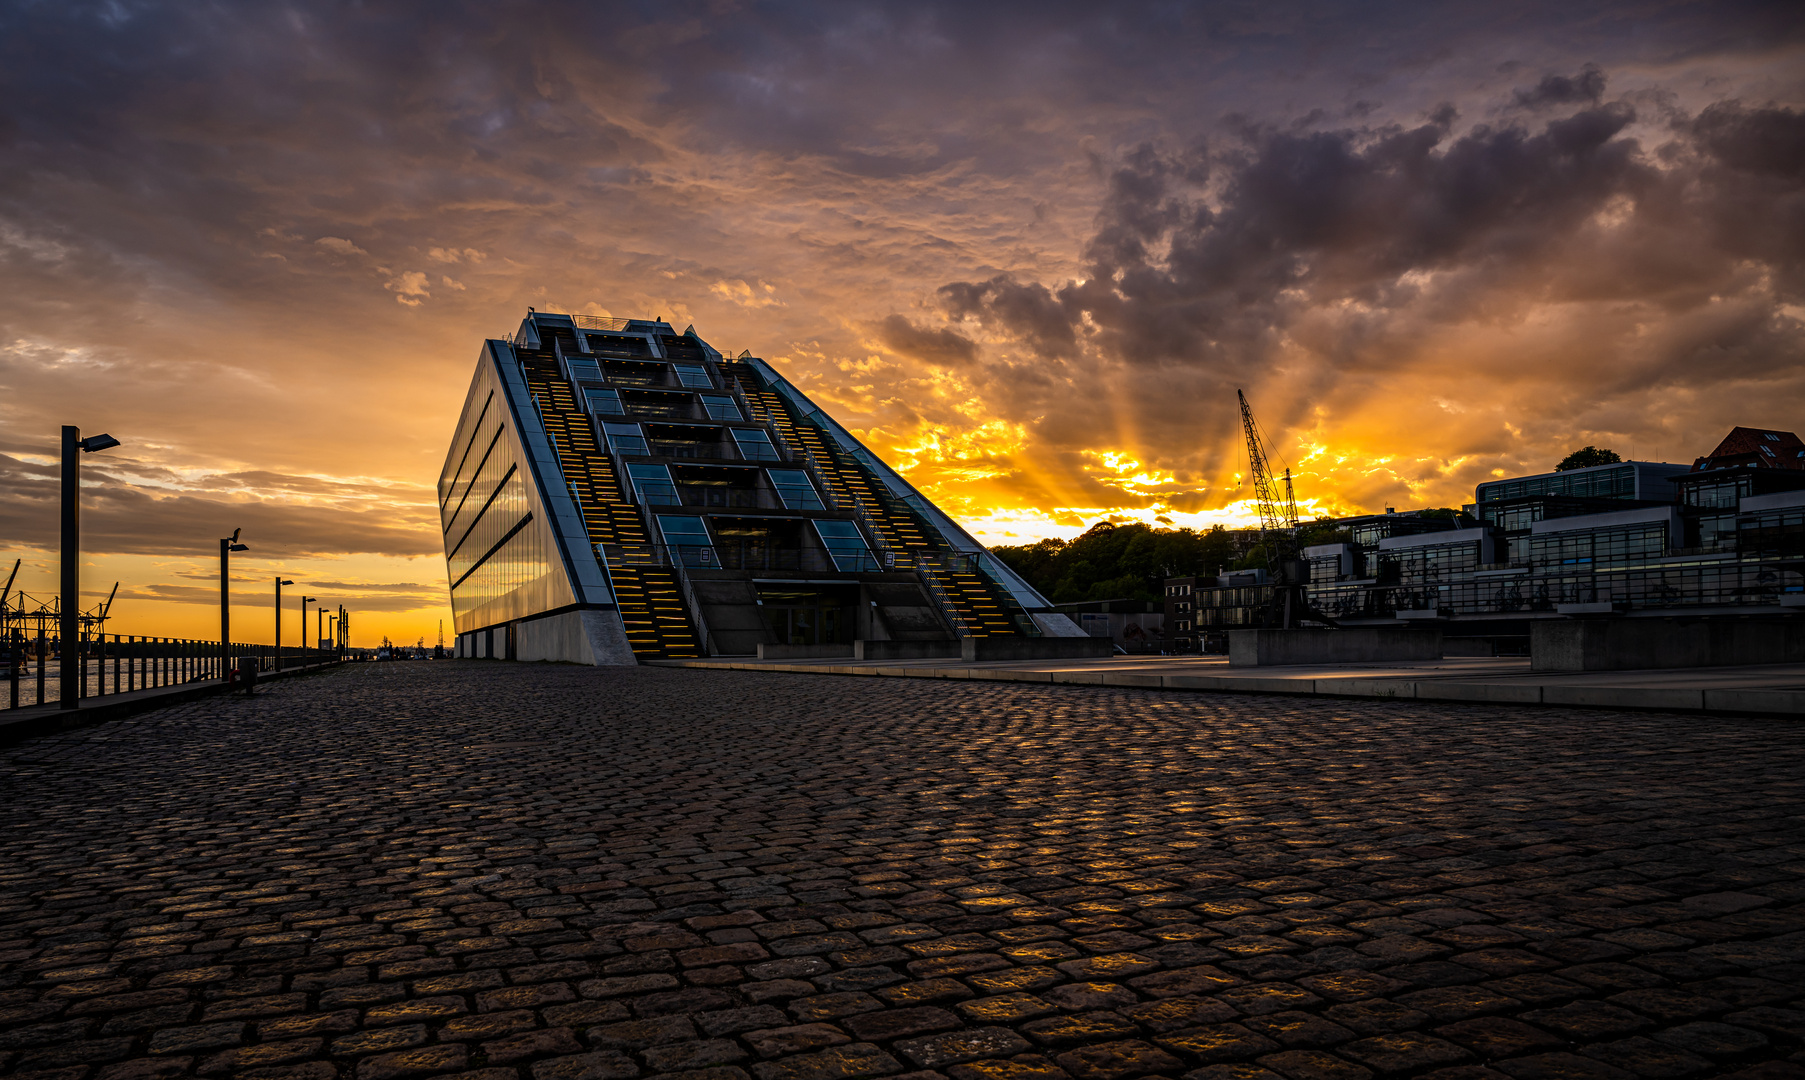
(1131, 561)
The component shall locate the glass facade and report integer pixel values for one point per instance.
(794, 489)
(1564, 550)
(1773, 534)
(1600, 547)
(755, 445)
(625, 438)
(1603, 482)
(844, 543)
(1233, 608)
(808, 615)
(603, 401)
(652, 484)
(688, 539)
(1368, 531)
(693, 375)
(1431, 563)
(1720, 491)
(721, 407)
(502, 558)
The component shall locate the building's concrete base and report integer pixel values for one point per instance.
(1056, 624)
(1627, 644)
(904, 650)
(1040, 648)
(589, 636)
(768, 651)
(863, 649)
(1266, 648)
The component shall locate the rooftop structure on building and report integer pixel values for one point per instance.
(617, 491)
(1758, 448)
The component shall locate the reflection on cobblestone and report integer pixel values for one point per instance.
(516, 872)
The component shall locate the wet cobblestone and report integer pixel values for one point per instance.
(547, 873)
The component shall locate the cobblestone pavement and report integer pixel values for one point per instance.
(512, 872)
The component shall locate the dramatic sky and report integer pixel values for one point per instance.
(1028, 251)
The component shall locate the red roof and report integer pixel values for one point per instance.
(1762, 448)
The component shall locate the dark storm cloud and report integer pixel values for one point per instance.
(1208, 255)
(1769, 141)
(943, 347)
(1588, 85)
(1029, 310)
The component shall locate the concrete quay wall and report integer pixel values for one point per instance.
(904, 650)
(1629, 644)
(972, 650)
(1267, 648)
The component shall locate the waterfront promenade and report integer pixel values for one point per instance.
(559, 873)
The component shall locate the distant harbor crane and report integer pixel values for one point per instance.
(1278, 534)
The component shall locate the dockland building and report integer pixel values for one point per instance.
(1724, 537)
(617, 491)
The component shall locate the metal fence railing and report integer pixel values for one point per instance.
(726, 556)
(598, 322)
(32, 665)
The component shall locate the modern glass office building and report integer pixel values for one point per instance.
(617, 491)
(1725, 536)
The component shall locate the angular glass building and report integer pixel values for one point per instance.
(616, 491)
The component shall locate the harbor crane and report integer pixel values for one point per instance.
(1278, 534)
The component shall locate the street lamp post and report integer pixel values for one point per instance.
(71, 667)
(319, 627)
(302, 629)
(227, 545)
(277, 662)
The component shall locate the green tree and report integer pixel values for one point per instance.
(1586, 457)
(1113, 561)
(1321, 531)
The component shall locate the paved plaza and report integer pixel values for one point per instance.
(528, 871)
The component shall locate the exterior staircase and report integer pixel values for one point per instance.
(975, 603)
(650, 598)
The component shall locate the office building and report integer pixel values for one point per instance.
(1723, 537)
(617, 491)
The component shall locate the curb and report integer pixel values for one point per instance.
(1716, 701)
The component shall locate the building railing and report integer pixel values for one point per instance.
(949, 610)
(740, 557)
(658, 493)
(724, 450)
(123, 663)
(1723, 548)
(694, 602)
(598, 322)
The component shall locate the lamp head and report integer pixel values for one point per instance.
(234, 537)
(238, 547)
(279, 581)
(97, 442)
(307, 600)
